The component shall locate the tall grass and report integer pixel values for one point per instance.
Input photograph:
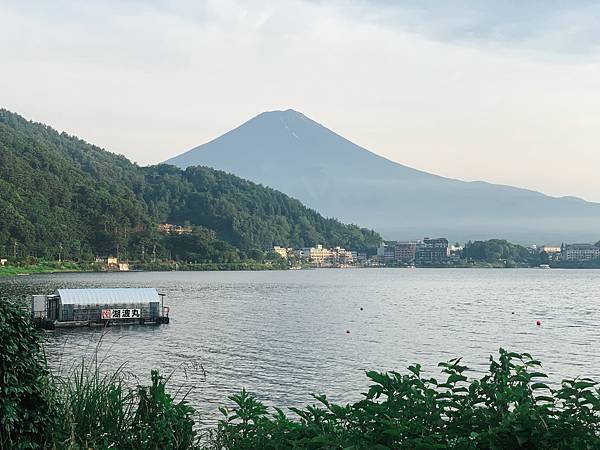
(88, 407)
(100, 409)
(96, 408)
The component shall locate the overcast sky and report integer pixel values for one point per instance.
(504, 91)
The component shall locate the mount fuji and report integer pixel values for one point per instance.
(288, 151)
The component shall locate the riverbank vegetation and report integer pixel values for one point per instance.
(499, 253)
(187, 267)
(511, 406)
(593, 264)
(30, 266)
(87, 408)
(37, 267)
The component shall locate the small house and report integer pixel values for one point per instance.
(112, 261)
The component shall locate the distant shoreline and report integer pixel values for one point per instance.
(15, 271)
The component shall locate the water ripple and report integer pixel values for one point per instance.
(284, 335)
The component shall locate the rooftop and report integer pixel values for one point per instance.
(108, 296)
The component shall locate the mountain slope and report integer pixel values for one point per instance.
(292, 153)
(61, 195)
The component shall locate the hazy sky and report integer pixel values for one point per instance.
(504, 91)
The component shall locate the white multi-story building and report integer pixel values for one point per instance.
(580, 252)
(326, 257)
(319, 254)
(342, 256)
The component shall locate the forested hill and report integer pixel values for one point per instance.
(62, 196)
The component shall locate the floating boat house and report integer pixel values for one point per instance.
(102, 307)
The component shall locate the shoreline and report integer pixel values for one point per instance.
(16, 271)
(25, 271)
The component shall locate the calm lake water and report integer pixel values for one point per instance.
(282, 335)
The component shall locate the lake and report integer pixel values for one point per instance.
(284, 335)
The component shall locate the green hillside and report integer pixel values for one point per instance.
(60, 196)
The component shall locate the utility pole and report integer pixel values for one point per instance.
(143, 252)
(154, 253)
(116, 231)
(15, 249)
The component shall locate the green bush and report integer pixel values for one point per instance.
(26, 412)
(159, 422)
(508, 408)
(87, 409)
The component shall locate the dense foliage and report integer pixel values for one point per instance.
(25, 400)
(88, 409)
(499, 250)
(508, 408)
(62, 197)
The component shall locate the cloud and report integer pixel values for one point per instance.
(463, 91)
(569, 27)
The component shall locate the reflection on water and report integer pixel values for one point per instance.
(283, 335)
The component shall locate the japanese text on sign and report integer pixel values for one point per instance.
(126, 313)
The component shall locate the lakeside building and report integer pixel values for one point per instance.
(283, 252)
(405, 252)
(554, 253)
(113, 263)
(386, 254)
(324, 257)
(341, 256)
(549, 249)
(399, 252)
(318, 254)
(579, 252)
(169, 228)
(3, 261)
(358, 257)
(426, 252)
(432, 251)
